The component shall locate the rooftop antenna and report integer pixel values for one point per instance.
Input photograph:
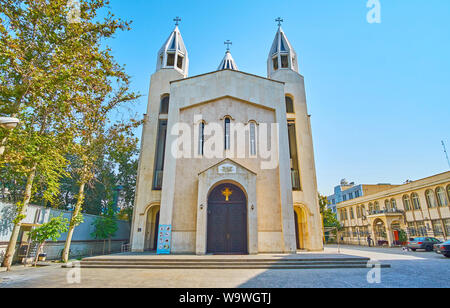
(446, 154)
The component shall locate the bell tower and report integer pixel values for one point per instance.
(282, 65)
(173, 53)
(172, 64)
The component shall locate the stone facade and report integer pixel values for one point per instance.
(419, 208)
(279, 180)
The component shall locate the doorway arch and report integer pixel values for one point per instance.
(151, 229)
(227, 231)
(300, 227)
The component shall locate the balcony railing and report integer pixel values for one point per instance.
(385, 211)
(295, 178)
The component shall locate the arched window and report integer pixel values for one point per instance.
(201, 138)
(431, 201)
(363, 210)
(227, 133)
(415, 201)
(407, 203)
(164, 109)
(393, 204)
(289, 105)
(370, 208)
(387, 205)
(377, 206)
(448, 192)
(252, 139)
(442, 199)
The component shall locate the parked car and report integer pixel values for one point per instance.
(426, 243)
(443, 249)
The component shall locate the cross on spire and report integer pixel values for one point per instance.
(279, 20)
(228, 43)
(177, 20)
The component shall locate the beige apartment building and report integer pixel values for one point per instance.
(390, 217)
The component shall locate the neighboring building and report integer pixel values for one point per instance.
(346, 191)
(418, 208)
(226, 203)
(83, 244)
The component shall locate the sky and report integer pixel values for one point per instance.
(379, 94)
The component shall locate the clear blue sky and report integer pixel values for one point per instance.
(379, 94)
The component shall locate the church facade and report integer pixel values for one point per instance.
(227, 162)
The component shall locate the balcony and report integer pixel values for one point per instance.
(389, 212)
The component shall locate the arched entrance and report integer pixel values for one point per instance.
(227, 220)
(151, 230)
(300, 227)
(379, 229)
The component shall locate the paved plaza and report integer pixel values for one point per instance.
(409, 269)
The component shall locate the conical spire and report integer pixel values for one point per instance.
(173, 54)
(282, 55)
(228, 63)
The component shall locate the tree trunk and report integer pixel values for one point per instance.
(11, 249)
(109, 245)
(38, 252)
(76, 212)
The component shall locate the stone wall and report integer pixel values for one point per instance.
(82, 242)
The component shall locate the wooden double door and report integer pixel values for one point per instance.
(227, 220)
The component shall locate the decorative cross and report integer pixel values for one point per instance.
(279, 20)
(228, 43)
(176, 20)
(227, 193)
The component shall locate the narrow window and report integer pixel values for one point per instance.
(180, 62)
(284, 61)
(201, 138)
(227, 133)
(252, 139)
(295, 171)
(407, 203)
(394, 204)
(289, 105)
(170, 59)
(430, 199)
(416, 201)
(160, 153)
(164, 109)
(275, 63)
(442, 200)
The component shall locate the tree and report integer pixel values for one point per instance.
(46, 63)
(329, 218)
(51, 230)
(105, 228)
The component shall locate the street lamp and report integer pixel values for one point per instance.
(8, 124)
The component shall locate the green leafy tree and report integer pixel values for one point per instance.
(51, 230)
(105, 228)
(50, 68)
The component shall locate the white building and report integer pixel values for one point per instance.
(227, 162)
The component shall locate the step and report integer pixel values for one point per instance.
(222, 263)
(260, 266)
(168, 260)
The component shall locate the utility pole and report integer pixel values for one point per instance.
(446, 154)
